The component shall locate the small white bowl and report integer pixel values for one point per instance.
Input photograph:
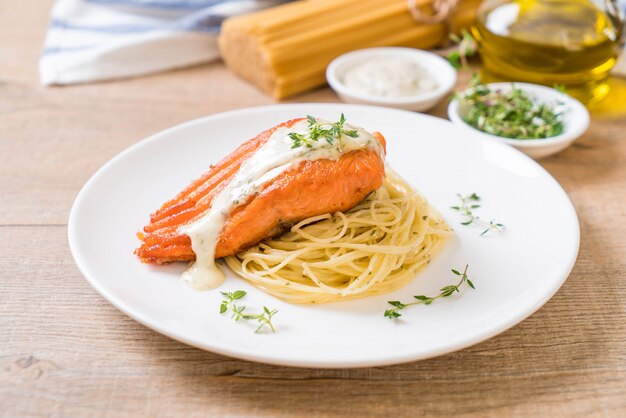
(575, 120)
(437, 68)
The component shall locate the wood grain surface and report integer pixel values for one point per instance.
(65, 351)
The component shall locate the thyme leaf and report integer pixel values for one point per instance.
(264, 319)
(330, 132)
(466, 47)
(446, 291)
(466, 208)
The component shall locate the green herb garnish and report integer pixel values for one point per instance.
(466, 48)
(427, 300)
(512, 114)
(466, 208)
(264, 318)
(327, 131)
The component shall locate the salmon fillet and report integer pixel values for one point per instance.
(312, 188)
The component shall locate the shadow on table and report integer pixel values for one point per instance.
(594, 159)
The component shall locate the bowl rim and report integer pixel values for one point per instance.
(570, 133)
(445, 82)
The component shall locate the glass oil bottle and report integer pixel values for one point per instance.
(569, 43)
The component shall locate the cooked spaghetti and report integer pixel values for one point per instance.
(376, 247)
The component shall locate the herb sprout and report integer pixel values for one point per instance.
(264, 318)
(427, 300)
(512, 114)
(466, 208)
(466, 48)
(317, 131)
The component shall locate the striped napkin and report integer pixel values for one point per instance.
(91, 40)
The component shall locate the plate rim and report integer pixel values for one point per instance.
(244, 354)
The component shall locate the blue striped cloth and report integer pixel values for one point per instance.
(90, 40)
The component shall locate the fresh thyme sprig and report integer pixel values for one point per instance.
(317, 131)
(466, 208)
(427, 300)
(466, 48)
(264, 318)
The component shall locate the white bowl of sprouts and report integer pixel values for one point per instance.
(538, 120)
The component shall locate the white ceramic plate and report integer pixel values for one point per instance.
(514, 273)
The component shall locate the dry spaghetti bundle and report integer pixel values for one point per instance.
(285, 50)
(376, 247)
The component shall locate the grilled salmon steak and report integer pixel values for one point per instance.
(309, 189)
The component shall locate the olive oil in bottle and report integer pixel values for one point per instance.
(573, 43)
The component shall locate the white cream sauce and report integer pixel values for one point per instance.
(389, 77)
(269, 161)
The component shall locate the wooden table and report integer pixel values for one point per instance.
(65, 351)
